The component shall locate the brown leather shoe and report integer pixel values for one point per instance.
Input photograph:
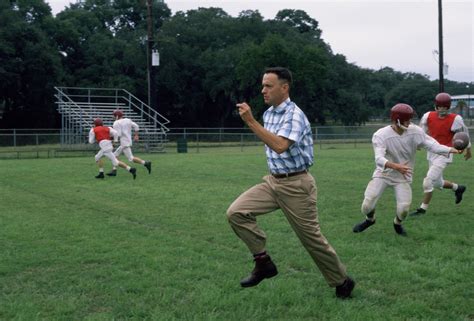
(264, 269)
(344, 290)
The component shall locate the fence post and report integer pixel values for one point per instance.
(315, 135)
(241, 142)
(197, 142)
(14, 137)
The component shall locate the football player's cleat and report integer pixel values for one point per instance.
(362, 226)
(112, 173)
(399, 229)
(458, 193)
(133, 171)
(419, 211)
(148, 166)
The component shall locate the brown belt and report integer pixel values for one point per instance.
(289, 174)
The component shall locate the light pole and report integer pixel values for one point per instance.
(149, 54)
(440, 40)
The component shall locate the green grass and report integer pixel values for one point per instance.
(160, 247)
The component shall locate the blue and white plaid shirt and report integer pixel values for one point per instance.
(289, 121)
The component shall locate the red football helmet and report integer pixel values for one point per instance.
(443, 100)
(400, 113)
(98, 122)
(118, 113)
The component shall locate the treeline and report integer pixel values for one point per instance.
(209, 61)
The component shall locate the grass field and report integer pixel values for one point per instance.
(160, 247)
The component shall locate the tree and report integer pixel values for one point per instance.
(106, 43)
(209, 61)
(299, 20)
(415, 90)
(30, 65)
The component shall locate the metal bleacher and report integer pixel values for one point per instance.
(80, 106)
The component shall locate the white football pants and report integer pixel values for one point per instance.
(434, 177)
(377, 186)
(126, 150)
(106, 150)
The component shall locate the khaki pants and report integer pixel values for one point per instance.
(296, 197)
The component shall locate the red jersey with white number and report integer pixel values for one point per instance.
(440, 128)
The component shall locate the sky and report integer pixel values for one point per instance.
(400, 34)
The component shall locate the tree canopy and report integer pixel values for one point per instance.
(209, 61)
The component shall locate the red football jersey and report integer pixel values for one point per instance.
(440, 128)
(101, 133)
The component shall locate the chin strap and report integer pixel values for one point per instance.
(440, 112)
(401, 126)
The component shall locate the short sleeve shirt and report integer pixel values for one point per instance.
(289, 121)
(124, 127)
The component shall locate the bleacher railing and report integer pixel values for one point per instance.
(79, 106)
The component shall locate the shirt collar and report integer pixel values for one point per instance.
(281, 108)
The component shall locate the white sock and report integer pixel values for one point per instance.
(424, 206)
(101, 170)
(128, 168)
(455, 187)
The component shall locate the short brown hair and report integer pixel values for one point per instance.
(281, 72)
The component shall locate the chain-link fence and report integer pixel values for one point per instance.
(46, 143)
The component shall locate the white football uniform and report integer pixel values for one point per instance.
(389, 146)
(124, 128)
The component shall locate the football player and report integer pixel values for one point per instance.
(102, 135)
(124, 128)
(395, 146)
(441, 125)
